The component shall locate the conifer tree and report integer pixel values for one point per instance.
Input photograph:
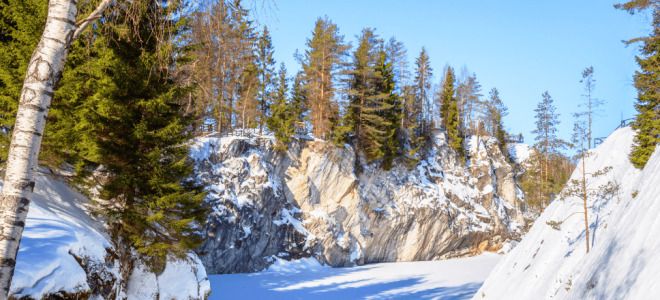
(421, 108)
(283, 117)
(321, 64)
(591, 104)
(133, 126)
(449, 112)
(363, 114)
(266, 69)
(299, 100)
(548, 144)
(391, 109)
(647, 82)
(496, 110)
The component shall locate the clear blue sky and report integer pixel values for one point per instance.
(521, 47)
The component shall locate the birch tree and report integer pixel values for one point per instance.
(43, 73)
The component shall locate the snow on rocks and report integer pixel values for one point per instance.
(551, 263)
(66, 253)
(310, 201)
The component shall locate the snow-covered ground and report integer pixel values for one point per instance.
(59, 226)
(551, 263)
(307, 279)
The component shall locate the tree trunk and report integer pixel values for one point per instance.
(43, 73)
(584, 201)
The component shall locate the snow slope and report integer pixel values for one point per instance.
(59, 230)
(307, 279)
(56, 225)
(623, 262)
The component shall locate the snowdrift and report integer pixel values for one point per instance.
(66, 253)
(623, 262)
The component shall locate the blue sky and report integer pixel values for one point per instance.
(521, 47)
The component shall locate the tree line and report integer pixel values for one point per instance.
(132, 81)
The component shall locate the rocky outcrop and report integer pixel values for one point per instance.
(310, 201)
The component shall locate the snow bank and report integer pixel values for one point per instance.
(59, 229)
(56, 226)
(623, 262)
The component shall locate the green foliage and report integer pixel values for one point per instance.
(374, 113)
(451, 119)
(322, 62)
(283, 113)
(420, 109)
(265, 69)
(647, 82)
(496, 111)
(21, 24)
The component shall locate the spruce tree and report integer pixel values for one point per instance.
(449, 112)
(133, 126)
(283, 117)
(647, 82)
(299, 101)
(391, 108)
(266, 69)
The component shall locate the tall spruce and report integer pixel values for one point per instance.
(321, 63)
(133, 126)
(266, 70)
(363, 112)
(647, 82)
(449, 112)
(283, 118)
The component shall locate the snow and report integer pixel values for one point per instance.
(308, 279)
(57, 224)
(623, 262)
(519, 152)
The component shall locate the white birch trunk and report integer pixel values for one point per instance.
(43, 72)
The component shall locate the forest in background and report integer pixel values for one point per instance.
(147, 78)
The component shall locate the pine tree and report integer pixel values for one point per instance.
(266, 69)
(548, 144)
(470, 106)
(421, 108)
(647, 82)
(283, 117)
(321, 63)
(591, 104)
(496, 110)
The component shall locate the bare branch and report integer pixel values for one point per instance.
(95, 15)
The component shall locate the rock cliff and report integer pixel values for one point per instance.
(311, 201)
